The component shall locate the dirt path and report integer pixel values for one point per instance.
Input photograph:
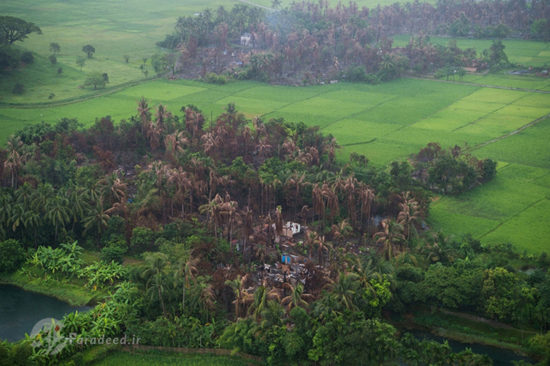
(481, 85)
(82, 99)
(259, 6)
(509, 134)
(492, 323)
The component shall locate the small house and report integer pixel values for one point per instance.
(245, 40)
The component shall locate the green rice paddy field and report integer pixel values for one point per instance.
(385, 122)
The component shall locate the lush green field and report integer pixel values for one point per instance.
(123, 359)
(115, 28)
(384, 122)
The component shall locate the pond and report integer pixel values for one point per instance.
(20, 310)
(501, 357)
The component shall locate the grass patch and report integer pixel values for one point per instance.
(528, 147)
(529, 230)
(456, 223)
(352, 131)
(454, 323)
(59, 287)
(123, 358)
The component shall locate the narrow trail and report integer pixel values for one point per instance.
(509, 134)
(82, 99)
(492, 323)
(258, 5)
(481, 85)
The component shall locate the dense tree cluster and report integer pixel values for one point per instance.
(450, 171)
(315, 42)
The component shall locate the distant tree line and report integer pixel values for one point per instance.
(314, 42)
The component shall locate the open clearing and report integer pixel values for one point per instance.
(385, 122)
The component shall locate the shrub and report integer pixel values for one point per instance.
(18, 88)
(12, 256)
(142, 239)
(27, 57)
(53, 59)
(113, 254)
(357, 74)
(114, 251)
(212, 78)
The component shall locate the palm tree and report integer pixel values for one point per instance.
(391, 235)
(410, 215)
(213, 209)
(248, 227)
(440, 250)
(155, 272)
(263, 148)
(187, 267)
(296, 180)
(366, 196)
(343, 291)
(96, 218)
(318, 202)
(78, 200)
(367, 272)
(332, 202)
(57, 212)
(311, 240)
(114, 188)
(261, 297)
(143, 111)
(230, 210)
(242, 297)
(297, 298)
(15, 158)
(272, 316)
(182, 180)
(161, 115)
(33, 219)
(341, 231)
(349, 188)
(322, 246)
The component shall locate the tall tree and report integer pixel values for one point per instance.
(15, 29)
(155, 272)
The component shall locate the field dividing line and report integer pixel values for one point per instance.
(480, 118)
(361, 143)
(509, 134)
(83, 99)
(361, 111)
(482, 85)
(303, 100)
(428, 116)
(511, 217)
(440, 110)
